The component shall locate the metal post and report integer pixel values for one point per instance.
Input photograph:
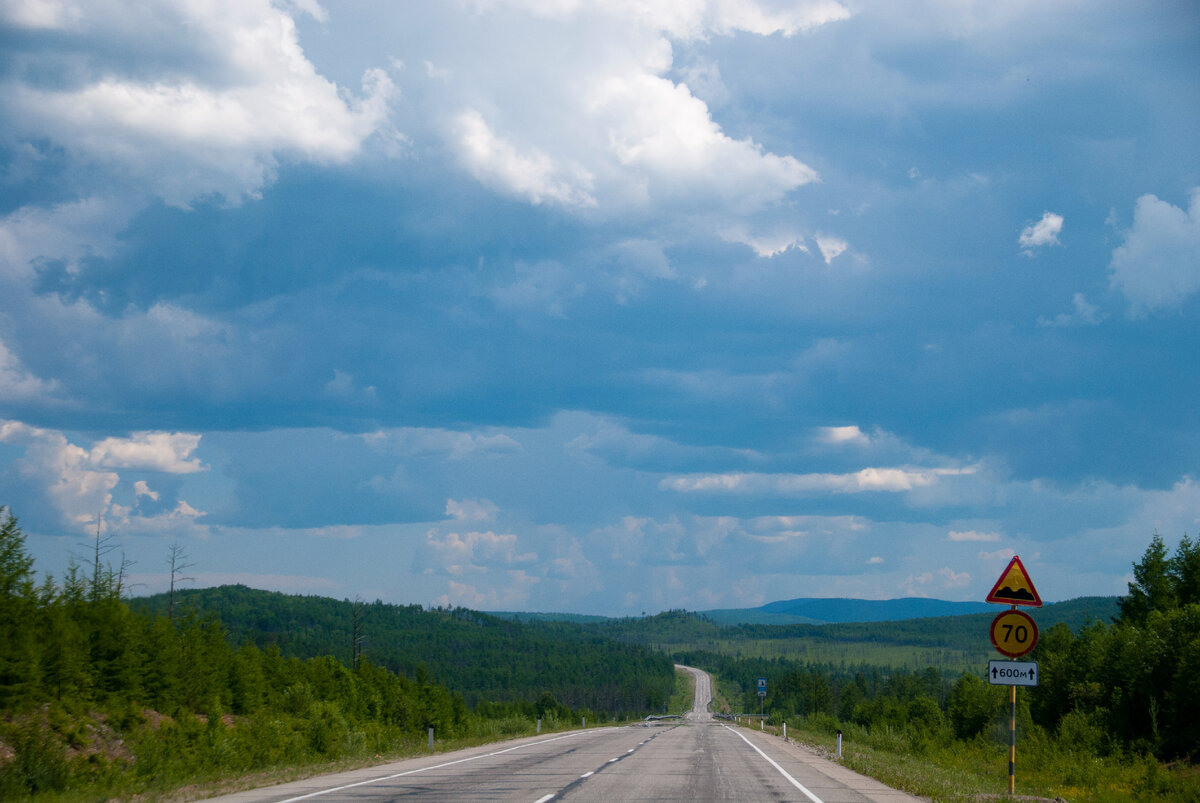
(539, 724)
(431, 738)
(1012, 740)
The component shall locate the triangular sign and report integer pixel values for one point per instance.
(1014, 587)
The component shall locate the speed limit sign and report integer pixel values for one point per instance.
(1014, 634)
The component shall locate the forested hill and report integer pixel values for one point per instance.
(482, 657)
(686, 628)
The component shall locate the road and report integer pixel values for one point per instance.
(696, 759)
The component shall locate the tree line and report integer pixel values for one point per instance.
(101, 695)
(482, 657)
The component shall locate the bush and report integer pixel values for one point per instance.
(39, 763)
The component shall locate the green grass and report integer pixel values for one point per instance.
(224, 770)
(952, 771)
(683, 694)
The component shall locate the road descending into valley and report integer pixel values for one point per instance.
(696, 759)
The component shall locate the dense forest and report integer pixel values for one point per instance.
(482, 657)
(95, 694)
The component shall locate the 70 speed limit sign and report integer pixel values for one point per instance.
(1014, 634)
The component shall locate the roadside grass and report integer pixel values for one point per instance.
(943, 769)
(178, 777)
(683, 694)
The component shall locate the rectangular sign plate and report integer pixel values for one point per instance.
(1012, 673)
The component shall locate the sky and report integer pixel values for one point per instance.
(601, 306)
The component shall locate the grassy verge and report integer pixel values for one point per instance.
(189, 760)
(683, 694)
(953, 771)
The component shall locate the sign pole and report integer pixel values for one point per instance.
(1013, 634)
(1012, 740)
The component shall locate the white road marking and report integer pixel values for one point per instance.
(427, 769)
(587, 774)
(782, 771)
(544, 798)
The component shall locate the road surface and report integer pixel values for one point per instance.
(696, 759)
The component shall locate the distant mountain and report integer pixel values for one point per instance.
(815, 611)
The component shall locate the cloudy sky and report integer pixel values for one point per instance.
(605, 306)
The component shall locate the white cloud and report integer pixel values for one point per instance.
(1044, 232)
(944, 579)
(1083, 314)
(660, 129)
(1158, 265)
(971, 535)
(693, 18)
(582, 110)
(237, 93)
(153, 451)
(996, 557)
(76, 483)
(18, 384)
(63, 470)
(67, 232)
(472, 510)
(423, 442)
(40, 14)
(868, 479)
(765, 244)
(831, 247)
(475, 552)
(530, 174)
(875, 560)
(843, 435)
(513, 593)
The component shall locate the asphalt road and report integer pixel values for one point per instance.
(696, 759)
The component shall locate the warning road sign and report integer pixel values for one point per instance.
(1014, 587)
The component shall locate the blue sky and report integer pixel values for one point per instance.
(605, 307)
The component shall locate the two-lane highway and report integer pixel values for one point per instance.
(695, 760)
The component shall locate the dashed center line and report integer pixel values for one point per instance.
(587, 775)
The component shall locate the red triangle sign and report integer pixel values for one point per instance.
(1014, 587)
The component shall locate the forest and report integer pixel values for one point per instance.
(100, 694)
(470, 651)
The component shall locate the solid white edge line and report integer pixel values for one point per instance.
(782, 771)
(369, 781)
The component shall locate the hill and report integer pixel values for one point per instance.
(482, 657)
(950, 644)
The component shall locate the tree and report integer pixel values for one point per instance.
(972, 706)
(1185, 565)
(177, 559)
(1154, 586)
(18, 603)
(16, 566)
